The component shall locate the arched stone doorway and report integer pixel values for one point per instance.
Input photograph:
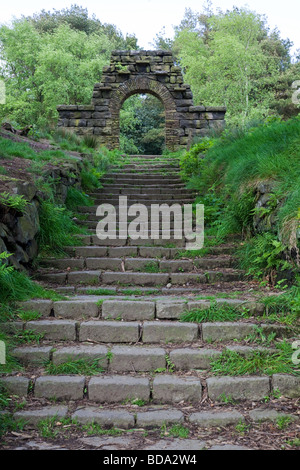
(133, 72)
(143, 85)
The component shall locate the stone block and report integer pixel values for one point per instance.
(118, 389)
(128, 310)
(136, 359)
(109, 332)
(238, 388)
(64, 330)
(169, 332)
(74, 309)
(105, 418)
(158, 418)
(172, 389)
(187, 358)
(61, 387)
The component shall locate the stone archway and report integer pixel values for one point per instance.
(144, 85)
(133, 72)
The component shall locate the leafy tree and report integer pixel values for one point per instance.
(51, 59)
(78, 19)
(232, 59)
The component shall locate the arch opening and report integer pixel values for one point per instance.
(142, 125)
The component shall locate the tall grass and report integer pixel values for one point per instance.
(233, 168)
(57, 229)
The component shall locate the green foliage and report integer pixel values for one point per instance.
(262, 255)
(13, 201)
(80, 366)
(90, 179)
(191, 162)
(54, 58)
(142, 125)
(75, 198)
(232, 59)
(258, 362)
(216, 312)
(57, 228)
(15, 285)
(232, 171)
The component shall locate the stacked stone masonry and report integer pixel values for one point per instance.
(142, 72)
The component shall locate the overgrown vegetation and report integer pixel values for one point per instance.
(80, 366)
(258, 362)
(229, 174)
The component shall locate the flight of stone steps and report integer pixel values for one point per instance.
(124, 306)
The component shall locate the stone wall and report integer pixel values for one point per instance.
(19, 230)
(137, 72)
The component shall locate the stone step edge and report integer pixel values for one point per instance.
(162, 389)
(152, 419)
(148, 332)
(156, 309)
(146, 359)
(140, 251)
(90, 262)
(136, 278)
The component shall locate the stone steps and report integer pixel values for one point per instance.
(128, 191)
(143, 251)
(145, 351)
(123, 358)
(137, 264)
(89, 327)
(134, 308)
(98, 277)
(162, 389)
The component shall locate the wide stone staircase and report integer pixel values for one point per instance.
(124, 304)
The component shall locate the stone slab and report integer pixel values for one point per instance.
(213, 418)
(169, 332)
(174, 389)
(60, 387)
(128, 310)
(105, 418)
(75, 309)
(188, 358)
(137, 359)
(33, 417)
(109, 332)
(157, 418)
(118, 389)
(238, 388)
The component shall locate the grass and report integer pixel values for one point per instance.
(227, 180)
(216, 312)
(57, 229)
(151, 267)
(258, 362)
(78, 367)
(17, 286)
(75, 198)
(177, 430)
(9, 424)
(100, 291)
(28, 336)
